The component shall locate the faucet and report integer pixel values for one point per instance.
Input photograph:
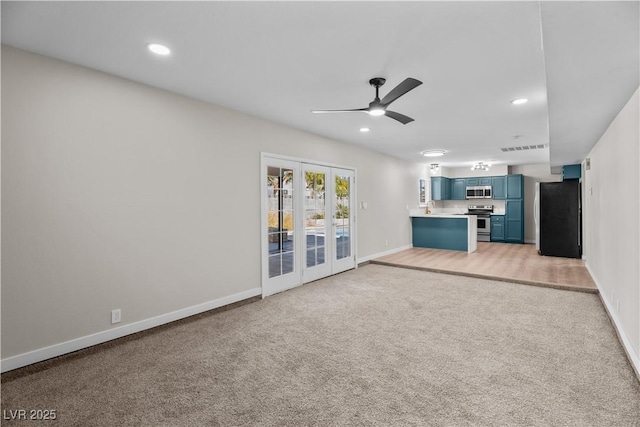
(433, 205)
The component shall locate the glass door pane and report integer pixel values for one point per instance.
(341, 212)
(317, 222)
(280, 220)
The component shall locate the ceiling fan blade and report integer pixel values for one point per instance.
(399, 117)
(404, 87)
(357, 110)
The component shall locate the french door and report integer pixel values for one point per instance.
(280, 254)
(317, 222)
(342, 203)
(308, 223)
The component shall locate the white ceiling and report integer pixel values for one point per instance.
(576, 62)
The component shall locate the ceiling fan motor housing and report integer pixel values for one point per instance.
(377, 82)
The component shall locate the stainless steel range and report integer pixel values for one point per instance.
(483, 212)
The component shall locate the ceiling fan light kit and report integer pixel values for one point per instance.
(378, 107)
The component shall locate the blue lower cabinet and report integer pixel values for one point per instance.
(440, 233)
(514, 221)
(497, 228)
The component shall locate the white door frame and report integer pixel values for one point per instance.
(271, 286)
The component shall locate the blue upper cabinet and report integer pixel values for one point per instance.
(472, 182)
(571, 172)
(436, 188)
(440, 188)
(499, 187)
(447, 189)
(515, 184)
(458, 189)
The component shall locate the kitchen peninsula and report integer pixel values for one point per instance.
(444, 231)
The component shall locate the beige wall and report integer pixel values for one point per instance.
(611, 205)
(120, 195)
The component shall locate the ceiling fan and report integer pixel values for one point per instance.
(378, 107)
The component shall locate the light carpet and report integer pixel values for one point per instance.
(374, 346)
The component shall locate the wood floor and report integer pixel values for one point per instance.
(499, 261)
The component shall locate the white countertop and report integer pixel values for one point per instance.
(420, 213)
(439, 215)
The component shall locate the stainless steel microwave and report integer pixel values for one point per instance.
(479, 192)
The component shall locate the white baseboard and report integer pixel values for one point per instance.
(626, 343)
(530, 241)
(379, 254)
(55, 350)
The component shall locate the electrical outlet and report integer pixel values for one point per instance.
(116, 316)
(386, 243)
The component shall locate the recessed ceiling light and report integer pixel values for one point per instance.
(364, 129)
(519, 101)
(433, 153)
(159, 49)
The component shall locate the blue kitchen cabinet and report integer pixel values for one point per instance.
(473, 182)
(571, 172)
(514, 221)
(458, 189)
(440, 233)
(447, 189)
(440, 188)
(515, 184)
(497, 228)
(499, 187)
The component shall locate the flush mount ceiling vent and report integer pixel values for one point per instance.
(524, 148)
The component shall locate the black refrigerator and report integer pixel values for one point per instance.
(559, 219)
